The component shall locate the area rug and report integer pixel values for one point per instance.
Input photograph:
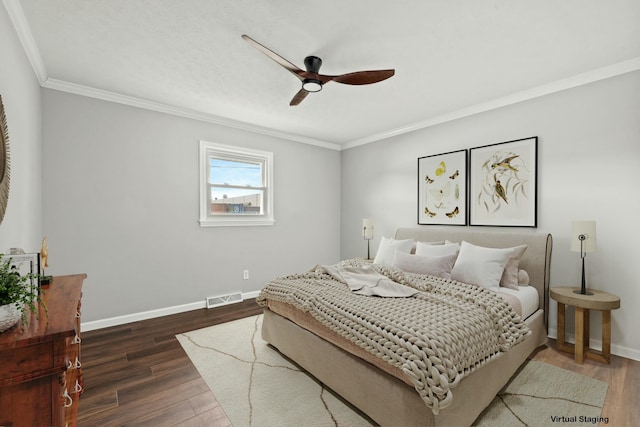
(257, 386)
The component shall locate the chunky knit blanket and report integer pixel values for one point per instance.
(437, 336)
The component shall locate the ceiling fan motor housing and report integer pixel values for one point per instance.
(313, 64)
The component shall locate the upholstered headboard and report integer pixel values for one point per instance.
(536, 260)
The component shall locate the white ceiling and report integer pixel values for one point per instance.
(451, 58)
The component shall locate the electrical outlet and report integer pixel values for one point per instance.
(245, 274)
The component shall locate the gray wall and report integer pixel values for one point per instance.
(588, 168)
(121, 196)
(22, 224)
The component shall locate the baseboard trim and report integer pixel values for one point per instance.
(151, 314)
(618, 350)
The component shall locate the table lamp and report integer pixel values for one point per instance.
(367, 233)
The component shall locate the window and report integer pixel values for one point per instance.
(236, 186)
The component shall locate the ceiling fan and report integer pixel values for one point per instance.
(311, 80)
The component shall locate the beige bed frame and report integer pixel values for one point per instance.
(386, 399)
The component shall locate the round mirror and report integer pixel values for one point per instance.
(4, 162)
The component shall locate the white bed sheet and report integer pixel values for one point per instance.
(527, 295)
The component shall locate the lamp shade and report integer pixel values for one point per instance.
(367, 228)
(586, 229)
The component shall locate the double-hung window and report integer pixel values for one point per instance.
(236, 186)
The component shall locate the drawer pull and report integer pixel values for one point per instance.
(77, 388)
(76, 340)
(77, 365)
(77, 314)
(69, 364)
(68, 401)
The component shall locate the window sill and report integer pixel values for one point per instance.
(236, 222)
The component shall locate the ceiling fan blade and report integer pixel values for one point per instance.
(363, 77)
(275, 57)
(298, 97)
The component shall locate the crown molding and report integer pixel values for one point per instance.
(547, 89)
(16, 14)
(593, 76)
(133, 101)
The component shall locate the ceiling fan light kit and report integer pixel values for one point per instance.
(312, 85)
(312, 80)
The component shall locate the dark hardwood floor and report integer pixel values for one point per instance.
(138, 374)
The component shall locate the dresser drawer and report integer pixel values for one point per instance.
(28, 362)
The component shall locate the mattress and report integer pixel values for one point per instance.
(524, 300)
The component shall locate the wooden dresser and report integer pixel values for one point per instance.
(40, 367)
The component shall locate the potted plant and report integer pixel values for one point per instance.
(17, 294)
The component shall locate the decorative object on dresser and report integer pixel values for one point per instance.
(367, 234)
(503, 184)
(594, 300)
(583, 240)
(442, 188)
(41, 370)
(19, 290)
(44, 262)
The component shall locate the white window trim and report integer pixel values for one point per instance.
(211, 148)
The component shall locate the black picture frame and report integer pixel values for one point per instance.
(503, 184)
(442, 188)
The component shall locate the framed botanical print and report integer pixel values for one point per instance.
(503, 184)
(442, 188)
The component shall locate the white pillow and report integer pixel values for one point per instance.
(439, 266)
(415, 244)
(388, 247)
(510, 275)
(480, 266)
(437, 250)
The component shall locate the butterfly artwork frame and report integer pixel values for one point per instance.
(503, 188)
(442, 188)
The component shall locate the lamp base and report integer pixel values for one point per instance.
(368, 250)
(583, 289)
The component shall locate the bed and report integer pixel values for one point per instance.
(380, 386)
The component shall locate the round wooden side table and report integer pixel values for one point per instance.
(600, 300)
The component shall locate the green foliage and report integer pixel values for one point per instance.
(18, 289)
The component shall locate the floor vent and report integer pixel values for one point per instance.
(223, 300)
